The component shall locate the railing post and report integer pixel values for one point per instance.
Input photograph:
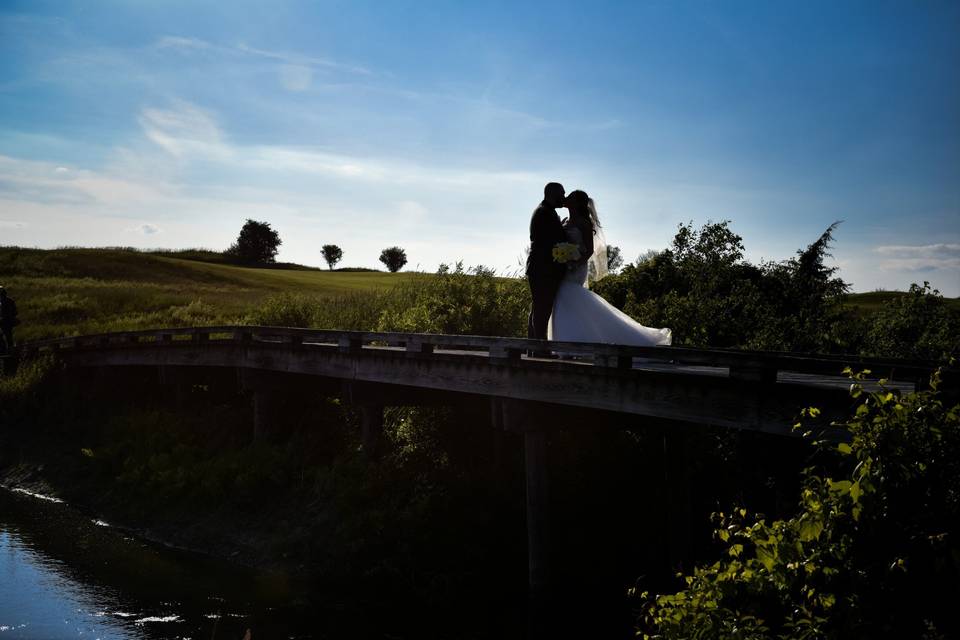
(417, 345)
(349, 344)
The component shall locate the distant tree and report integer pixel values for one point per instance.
(394, 258)
(332, 254)
(614, 258)
(257, 243)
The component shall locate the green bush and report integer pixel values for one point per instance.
(459, 301)
(917, 325)
(872, 552)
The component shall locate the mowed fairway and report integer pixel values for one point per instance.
(76, 291)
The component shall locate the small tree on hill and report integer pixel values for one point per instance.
(394, 258)
(257, 243)
(332, 254)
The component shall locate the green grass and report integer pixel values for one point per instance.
(78, 291)
(873, 301)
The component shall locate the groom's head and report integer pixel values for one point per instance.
(553, 194)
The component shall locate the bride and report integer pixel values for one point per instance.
(579, 315)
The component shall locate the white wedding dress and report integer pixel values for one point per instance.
(580, 315)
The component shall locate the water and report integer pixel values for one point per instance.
(66, 575)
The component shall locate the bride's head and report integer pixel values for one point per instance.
(581, 208)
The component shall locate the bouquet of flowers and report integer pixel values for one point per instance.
(564, 252)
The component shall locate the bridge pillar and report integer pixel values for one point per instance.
(521, 417)
(371, 428)
(267, 407)
(535, 459)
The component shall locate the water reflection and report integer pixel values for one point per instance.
(63, 575)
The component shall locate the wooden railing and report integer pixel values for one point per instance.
(747, 365)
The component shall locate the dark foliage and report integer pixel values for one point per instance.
(332, 254)
(871, 551)
(393, 258)
(257, 244)
(703, 289)
(917, 325)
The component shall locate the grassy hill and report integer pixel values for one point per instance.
(873, 300)
(76, 291)
(79, 291)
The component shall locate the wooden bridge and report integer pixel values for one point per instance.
(585, 384)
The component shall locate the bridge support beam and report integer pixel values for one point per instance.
(535, 458)
(371, 428)
(527, 418)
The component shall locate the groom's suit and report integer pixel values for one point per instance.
(543, 272)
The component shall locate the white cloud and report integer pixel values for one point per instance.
(12, 224)
(920, 251)
(920, 258)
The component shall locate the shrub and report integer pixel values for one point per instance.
(286, 310)
(917, 325)
(872, 551)
(703, 289)
(460, 301)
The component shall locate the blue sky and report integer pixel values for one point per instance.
(435, 125)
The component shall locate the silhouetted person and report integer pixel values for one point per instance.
(543, 272)
(8, 319)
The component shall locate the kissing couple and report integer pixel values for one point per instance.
(563, 255)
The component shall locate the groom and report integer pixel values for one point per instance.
(543, 272)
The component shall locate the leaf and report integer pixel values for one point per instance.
(840, 486)
(855, 491)
(810, 529)
(844, 448)
(767, 557)
(87, 452)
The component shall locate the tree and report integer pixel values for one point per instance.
(332, 254)
(614, 258)
(257, 243)
(394, 258)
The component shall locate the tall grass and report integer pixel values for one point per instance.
(457, 300)
(79, 291)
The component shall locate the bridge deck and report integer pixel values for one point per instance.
(721, 387)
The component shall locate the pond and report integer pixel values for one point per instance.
(64, 574)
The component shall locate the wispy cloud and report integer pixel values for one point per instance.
(920, 258)
(183, 128)
(188, 45)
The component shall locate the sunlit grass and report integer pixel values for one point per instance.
(79, 291)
